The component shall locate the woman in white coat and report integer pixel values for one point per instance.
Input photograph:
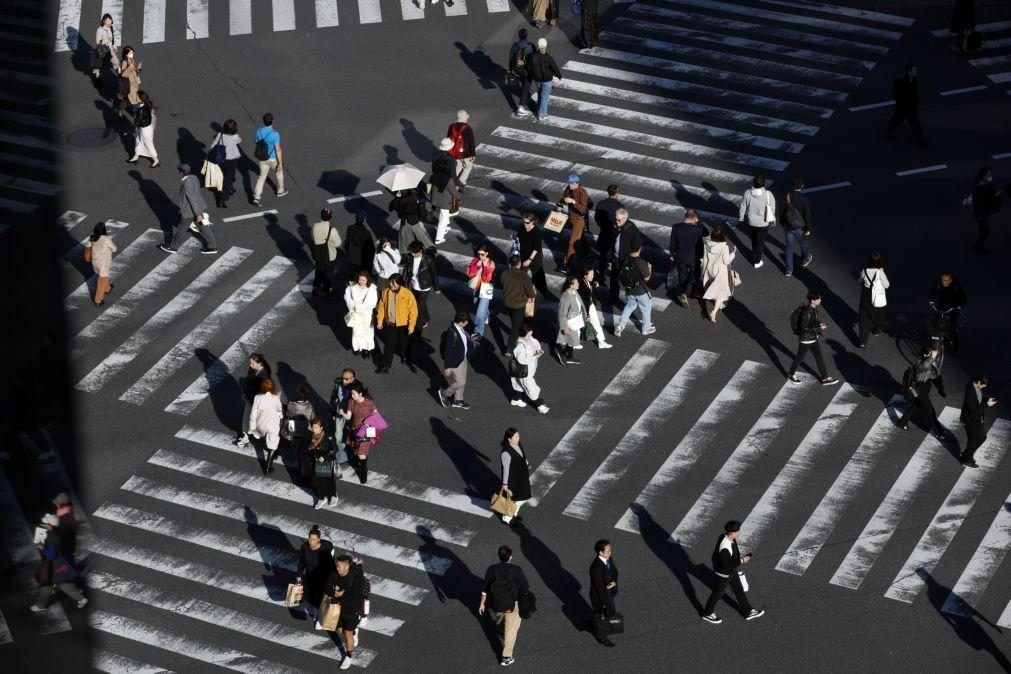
(716, 270)
(873, 298)
(386, 263)
(524, 362)
(361, 299)
(265, 418)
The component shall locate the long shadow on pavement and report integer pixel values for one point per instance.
(561, 583)
(966, 628)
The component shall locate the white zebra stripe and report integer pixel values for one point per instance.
(840, 10)
(675, 167)
(120, 263)
(113, 663)
(640, 435)
(999, 43)
(993, 27)
(154, 21)
(326, 14)
(68, 25)
(393, 485)
(197, 19)
(683, 457)
(421, 526)
(201, 335)
(369, 11)
(283, 14)
(242, 547)
(593, 419)
(677, 105)
(981, 568)
(801, 463)
(672, 124)
(963, 90)
(240, 17)
(498, 6)
(949, 517)
(724, 95)
(885, 520)
(146, 633)
(132, 299)
(1000, 78)
(368, 547)
(112, 227)
(411, 10)
(991, 61)
(748, 453)
(814, 534)
(71, 219)
(725, 76)
(459, 8)
(124, 354)
(1005, 617)
(239, 352)
(5, 631)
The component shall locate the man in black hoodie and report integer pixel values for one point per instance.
(726, 562)
(906, 93)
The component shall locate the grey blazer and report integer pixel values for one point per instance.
(191, 201)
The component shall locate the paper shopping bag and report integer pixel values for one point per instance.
(294, 596)
(329, 613)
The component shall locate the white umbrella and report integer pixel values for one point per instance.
(400, 177)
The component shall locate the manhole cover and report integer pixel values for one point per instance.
(91, 137)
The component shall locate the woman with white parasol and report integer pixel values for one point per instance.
(402, 180)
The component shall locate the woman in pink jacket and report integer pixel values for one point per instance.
(265, 418)
(480, 273)
(98, 250)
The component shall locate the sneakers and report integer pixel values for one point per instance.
(969, 463)
(578, 346)
(517, 403)
(807, 260)
(712, 618)
(282, 193)
(649, 331)
(461, 404)
(560, 357)
(543, 409)
(572, 360)
(505, 662)
(82, 603)
(521, 115)
(442, 399)
(165, 248)
(318, 626)
(318, 505)
(794, 378)
(683, 300)
(346, 662)
(604, 345)
(256, 201)
(758, 265)
(242, 440)
(755, 613)
(829, 381)
(617, 332)
(209, 251)
(788, 274)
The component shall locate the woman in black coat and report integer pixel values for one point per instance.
(515, 472)
(359, 246)
(346, 586)
(603, 587)
(315, 562)
(322, 451)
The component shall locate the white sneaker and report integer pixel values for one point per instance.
(346, 662)
(604, 345)
(758, 265)
(318, 626)
(242, 441)
(543, 409)
(82, 603)
(578, 346)
(356, 639)
(518, 403)
(318, 505)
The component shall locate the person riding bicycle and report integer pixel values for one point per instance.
(947, 300)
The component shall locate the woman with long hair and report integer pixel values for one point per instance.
(361, 299)
(98, 250)
(515, 472)
(360, 406)
(325, 465)
(716, 271)
(480, 273)
(129, 80)
(873, 298)
(144, 122)
(228, 138)
(265, 419)
(259, 369)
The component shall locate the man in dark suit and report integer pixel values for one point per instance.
(626, 234)
(973, 410)
(604, 217)
(453, 349)
(603, 587)
(685, 254)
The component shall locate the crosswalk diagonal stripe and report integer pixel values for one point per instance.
(815, 533)
(991, 27)
(459, 8)
(326, 14)
(243, 548)
(369, 547)
(593, 419)
(1005, 617)
(422, 526)
(752, 449)
(5, 631)
(68, 25)
(980, 570)
(369, 11)
(801, 463)
(412, 9)
(239, 352)
(169, 640)
(991, 61)
(842, 10)
(197, 19)
(240, 17)
(113, 663)
(641, 433)
(71, 219)
(686, 452)
(498, 6)
(154, 21)
(949, 517)
(885, 520)
(120, 263)
(283, 14)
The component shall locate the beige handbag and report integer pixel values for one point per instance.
(503, 504)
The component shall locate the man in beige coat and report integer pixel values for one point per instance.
(326, 240)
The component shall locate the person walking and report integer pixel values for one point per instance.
(444, 196)
(346, 587)
(105, 36)
(539, 13)
(603, 587)
(808, 327)
(686, 250)
(56, 570)
(405, 204)
(270, 156)
(361, 299)
(464, 147)
(519, 72)
(258, 372)
(315, 560)
(515, 473)
(587, 293)
(385, 263)
(229, 139)
(326, 241)
(129, 81)
(531, 251)
(758, 211)
(873, 298)
(576, 201)
(322, 454)
(796, 219)
(265, 419)
(453, 348)
(716, 259)
(339, 397)
(635, 273)
(500, 595)
(626, 236)
(973, 415)
(571, 319)
(480, 274)
(98, 250)
(523, 368)
(144, 122)
(917, 382)
(589, 27)
(963, 23)
(604, 216)
(421, 276)
(518, 296)
(543, 72)
(727, 563)
(296, 428)
(360, 246)
(906, 92)
(356, 416)
(68, 526)
(191, 215)
(947, 299)
(985, 202)
(396, 317)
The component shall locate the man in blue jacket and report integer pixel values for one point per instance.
(453, 349)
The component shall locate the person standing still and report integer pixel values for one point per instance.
(543, 71)
(518, 298)
(603, 587)
(453, 348)
(905, 91)
(873, 298)
(191, 210)
(807, 325)
(99, 249)
(973, 412)
(519, 57)
(577, 200)
(326, 240)
(463, 149)
(758, 211)
(634, 273)
(270, 156)
(396, 317)
(727, 561)
(796, 219)
(503, 583)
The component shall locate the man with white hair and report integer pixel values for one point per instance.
(462, 150)
(543, 70)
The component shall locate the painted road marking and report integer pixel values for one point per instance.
(925, 169)
(964, 90)
(352, 197)
(247, 216)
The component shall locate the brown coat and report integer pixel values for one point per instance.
(101, 255)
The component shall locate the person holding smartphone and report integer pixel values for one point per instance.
(973, 412)
(727, 561)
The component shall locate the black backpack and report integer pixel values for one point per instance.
(504, 592)
(795, 319)
(519, 65)
(628, 273)
(261, 151)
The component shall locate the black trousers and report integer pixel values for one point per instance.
(605, 245)
(395, 341)
(802, 349)
(421, 296)
(228, 182)
(516, 317)
(758, 236)
(540, 281)
(975, 436)
(984, 231)
(903, 114)
(682, 279)
(734, 581)
(922, 403)
(872, 318)
(321, 280)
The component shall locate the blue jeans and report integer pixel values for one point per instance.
(791, 237)
(644, 303)
(481, 317)
(543, 94)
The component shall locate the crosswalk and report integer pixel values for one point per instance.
(993, 58)
(164, 20)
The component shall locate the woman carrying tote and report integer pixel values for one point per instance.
(480, 273)
(873, 298)
(523, 367)
(361, 299)
(571, 319)
(716, 271)
(315, 561)
(515, 473)
(98, 250)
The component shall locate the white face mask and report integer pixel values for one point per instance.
(129, 54)
(989, 179)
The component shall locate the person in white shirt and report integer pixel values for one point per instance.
(758, 211)
(361, 299)
(873, 298)
(386, 263)
(523, 367)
